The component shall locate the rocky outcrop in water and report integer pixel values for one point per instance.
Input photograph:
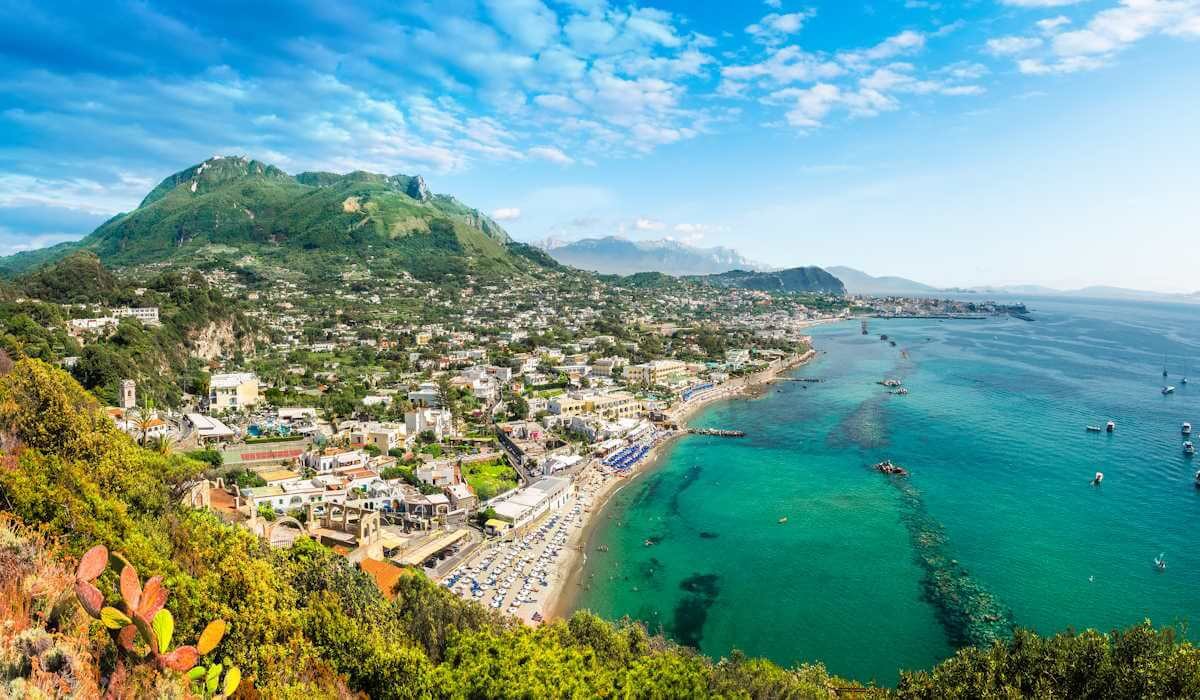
(970, 614)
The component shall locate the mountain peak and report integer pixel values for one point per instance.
(212, 173)
(228, 205)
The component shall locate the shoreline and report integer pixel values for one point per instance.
(564, 590)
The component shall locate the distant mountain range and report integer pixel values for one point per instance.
(859, 282)
(620, 256)
(232, 207)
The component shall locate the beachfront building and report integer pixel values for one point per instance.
(527, 504)
(617, 404)
(208, 430)
(657, 372)
(232, 391)
(736, 359)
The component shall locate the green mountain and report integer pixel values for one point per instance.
(77, 278)
(232, 207)
(796, 279)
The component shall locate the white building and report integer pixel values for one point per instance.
(526, 505)
(148, 315)
(209, 429)
(437, 420)
(427, 395)
(232, 391)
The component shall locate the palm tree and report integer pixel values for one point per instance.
(163, 444)
(141, 419)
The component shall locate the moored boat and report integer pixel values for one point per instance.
(1188, 448)
(1168, 390)
(1093, 429)
(1098, 478)
(1110, 426)
(1186, 428)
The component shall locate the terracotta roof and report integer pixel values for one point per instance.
(385, 574)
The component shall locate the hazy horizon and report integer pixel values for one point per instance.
(1047, 142)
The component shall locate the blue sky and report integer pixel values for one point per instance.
(959, 143)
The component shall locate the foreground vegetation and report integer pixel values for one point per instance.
(303, 622)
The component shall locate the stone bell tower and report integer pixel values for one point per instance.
(128, 393)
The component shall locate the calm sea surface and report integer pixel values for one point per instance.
(998, 523)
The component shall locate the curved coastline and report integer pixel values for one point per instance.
(567, 586)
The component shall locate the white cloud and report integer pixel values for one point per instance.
(529, 22)
(560, 103)
(75, 194)
(506, 214)
(1039, 3)
(13, 242)
(551, 154)
(784, 66)
(1072, 64)
(644, 224)
(776, 27)
(1052, 24)
(1109, 31)
(906, 42)
(1009, 45)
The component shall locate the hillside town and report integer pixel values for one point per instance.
(466, 431)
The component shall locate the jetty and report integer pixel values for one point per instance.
(715, 432)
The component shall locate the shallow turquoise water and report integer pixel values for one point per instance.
(997, 523)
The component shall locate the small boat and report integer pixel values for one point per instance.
(1168, 390)
(1098, 478)
(1094, 429)
(783, 520)
(1198, 480)
(1186, 429)
(648, 543)
(888, 467)
(1188, 448)
(1160, 562)
(1110, 426)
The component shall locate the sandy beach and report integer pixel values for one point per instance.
(597, 486)
(535, 573)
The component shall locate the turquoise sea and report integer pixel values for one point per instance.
(998, 523)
